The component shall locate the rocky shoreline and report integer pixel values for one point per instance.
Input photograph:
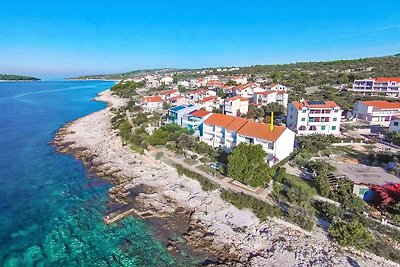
(229, 236)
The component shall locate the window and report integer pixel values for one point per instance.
(311, 119)
(333, 128)
(304, 119)
(396, 123)
(334, 119)
(270, 145)
(304, 110)
(322, 128)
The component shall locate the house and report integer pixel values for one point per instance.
(178, 100)
(364, 177)
(209, 103)
(199, 94)
(248, 90)
(376, 112)
(239, 80)
(277, 87)
(226, 132)
(277, 143)
(152, 103)
(265, 98)
(236, 106)
(175, 114)
(209, 78)
(152, 83)
(194, 121)
(314, 117)
(168, 93)
(378, 86)
(166, 80)
(394, 124)
(185, 84)
(198, 82)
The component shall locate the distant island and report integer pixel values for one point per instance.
(12, 77)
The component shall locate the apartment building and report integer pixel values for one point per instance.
(314, 117)
(175, 114)
(226, 132)
(378, 86)
(209, 103)
(265, 98)
(376, 112)
(236, 106)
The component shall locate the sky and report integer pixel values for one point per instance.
(55, 39)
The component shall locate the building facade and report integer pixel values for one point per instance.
(225, 132)
(376, 112)
(152, 103)
(378, 86)
(265, 98)
(236, 106)
(395, 124)
(314, 117)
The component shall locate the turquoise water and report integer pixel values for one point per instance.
(51, 212)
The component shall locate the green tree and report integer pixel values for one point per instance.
(247, 163)
(322, 185)
(350, 234)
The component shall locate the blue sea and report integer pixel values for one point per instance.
(51, 211)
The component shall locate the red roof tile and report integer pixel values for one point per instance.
(384, 79)
(153, 99)
(219, 120)
(206, 99)
(199, 113)
(261, 131)
(236, 124)
(382, 104)
(168, 92)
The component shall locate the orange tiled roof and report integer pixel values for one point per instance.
(168, 92)
(272, 85)
(382, 104)
(236, 124)
(199, 113)
(206, 99)
(384, 79)
(219, 120)
(328, 104)
(198, 91)
(175, 98)
(262, 131)
(153, 99)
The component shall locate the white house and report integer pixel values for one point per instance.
(378, 86)
(314, 117)
(248, 90)
(199, 94)
(265, 98)
(167, 80)
(236, 106)
(277, 87)
(152, 103)
(152, 83)
(376, 112)
(178, 100)
(185, 84)
(394, 124)
(168, 93)
(239, 80)
(226, 132)
(211, 78)
(209, 103)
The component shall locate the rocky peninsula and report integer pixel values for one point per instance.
(234, 237)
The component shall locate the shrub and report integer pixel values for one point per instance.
(260, 208)
(350, 234)
(206, 184)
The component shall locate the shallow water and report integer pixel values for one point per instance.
(51, 212)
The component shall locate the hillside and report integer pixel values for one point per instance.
(11, 77)
(124, 75)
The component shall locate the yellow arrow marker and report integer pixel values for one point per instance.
(272, 121)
